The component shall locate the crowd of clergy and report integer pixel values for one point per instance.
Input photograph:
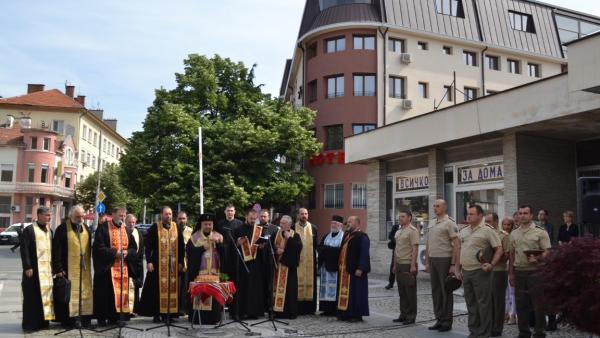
(72, 276)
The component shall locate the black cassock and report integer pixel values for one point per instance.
(33, 310)
(250, 295)
(194, 255)
(149, 303)
(136, 269)
(226, 228)
(328, 257)
(104, 257)
(291, 259)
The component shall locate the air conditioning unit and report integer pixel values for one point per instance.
(405, 58)
(407, 104)
(15, 208)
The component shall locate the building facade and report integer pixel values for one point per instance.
(366, 64)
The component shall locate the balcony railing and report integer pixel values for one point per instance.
(36, 188)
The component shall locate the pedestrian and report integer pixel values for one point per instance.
(442, 251)
(510, 310)
(476, 241)
(405, 267)
(392, 246)
(288, 247)
(544, 223)
(36, 259)
(499, 277)
(307, 270)
(329, 253)
(522, 271)
(354, 266)
(569, 229)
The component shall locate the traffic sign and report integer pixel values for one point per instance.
(101, 196)
(101, 208)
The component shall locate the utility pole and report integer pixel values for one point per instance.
(201, 170)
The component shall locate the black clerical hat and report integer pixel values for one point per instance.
(206, 218)
(337, 218)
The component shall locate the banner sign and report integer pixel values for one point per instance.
(481, 173)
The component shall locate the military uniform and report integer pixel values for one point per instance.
(406, 238)
(528, 291)
(499, 283)
(440, 234)
(476, 282)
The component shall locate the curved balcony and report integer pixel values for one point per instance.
(37, 189)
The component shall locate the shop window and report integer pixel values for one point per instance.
(364, 85)
(334, 137)
(514, 66)
(359, 195)
(396, 45)
(335, 45)
(490, 200)
(334, 196)
(397, 87)
(335, 86)
(7, 172)
(417, 205)
(364, 42)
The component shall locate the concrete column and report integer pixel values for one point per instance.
(380, 254)
(509, 150)
(435, 159)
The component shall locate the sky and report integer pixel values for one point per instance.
(117, 52)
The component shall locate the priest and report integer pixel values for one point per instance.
(72, 259)
(287, 245)
(113, 250)
(186, 231)
(136, 267)
(226, 227)
(250, 296)
(204, 251)
(307, 270)
(353, 294)
(164, 257)
(36, 258)
(329, 253)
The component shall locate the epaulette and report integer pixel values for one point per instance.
(489, 226)
(462, 226)
(413, 227)
(539, 227)
(452, 219)
(504, 232)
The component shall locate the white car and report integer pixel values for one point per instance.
(11, 235)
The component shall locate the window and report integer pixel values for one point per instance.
(44, 174)
(112, 150)
(361, 128)
(89, 159)
(312, 91)
(118, 152)
(571, 29)
(324, 4)
(422, 45)
(447, 50)
(470, 58)
(490, 92)
(334, 196)
(364, 42)
(6, 172)
(58, 126)
(396, 45)
(95, 138)
(84, 133)
(33, 142)
(422, 88)
(82, 156)
(492, 62)
(448, 93)
(67, 180)
(514, 66)
(311, 51)
(534, 70)
(104, 146)
(334, 137)
(46, 143)
(30, 172)
(470, 93)
(364, 85)
(450, 7)
(93, 161)
(397, 87)
(90, 136)
(335, 86)
(521, 21)
(28, 208)
(5, 203)
(359, 195)
(335, 45)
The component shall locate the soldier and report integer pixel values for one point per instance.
(405, 267)
(499, 278)
(521, 271)
(476, 241)
(442, 250)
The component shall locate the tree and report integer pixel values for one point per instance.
(116, 193)
(253, 148)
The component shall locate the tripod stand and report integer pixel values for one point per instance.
(236, 318)
(121, 323)
(82, 268)
(168, 324)
(270, 291)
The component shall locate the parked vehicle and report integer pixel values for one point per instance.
(143, 228)
(11, 234)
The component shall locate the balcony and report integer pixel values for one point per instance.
(37, 189)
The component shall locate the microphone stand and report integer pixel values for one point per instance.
(167, 323)
(270, 291)
(236, 318)
(82, 268)
(121, 324)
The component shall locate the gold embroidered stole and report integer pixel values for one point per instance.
(73, 246)
(307, 264)
(187, 234)
(249, 247)
(43, 245)
(344, 288)
(119, 241)
(280, 276)
(167, 241)
(199, 239)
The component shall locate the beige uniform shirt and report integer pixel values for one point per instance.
(503, 236)
(406, 238)
(532, 238)
(473, 240)
(439, 236)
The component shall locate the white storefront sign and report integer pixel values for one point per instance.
(481, 173)
(411, 182)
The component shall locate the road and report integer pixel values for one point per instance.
(383, 307)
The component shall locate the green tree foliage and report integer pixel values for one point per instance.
(253, 145)
(116, 193)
